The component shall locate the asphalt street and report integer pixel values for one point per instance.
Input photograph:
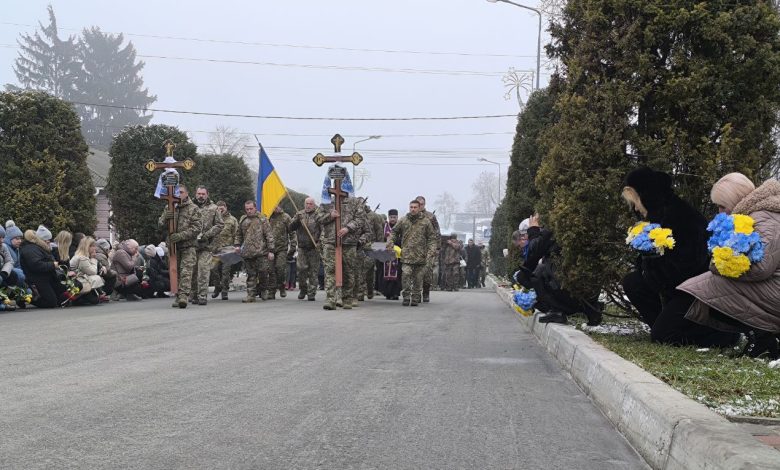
(456, 383)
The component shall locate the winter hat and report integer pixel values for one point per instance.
(13, 232)
(150, 251)
(9, 223)
(731, 189)
(392, 212)
(160, 252)
(43, 233)
(524, 226)
(103, 244)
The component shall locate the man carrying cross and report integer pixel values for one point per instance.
(352, 217)
(188, 227)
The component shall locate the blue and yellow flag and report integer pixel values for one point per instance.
(270, 189)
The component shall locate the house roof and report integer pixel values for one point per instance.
(98, 163)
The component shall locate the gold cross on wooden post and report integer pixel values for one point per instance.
(337, 174)
(171, 180)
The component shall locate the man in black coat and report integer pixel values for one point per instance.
(473, 262)
(651, 287)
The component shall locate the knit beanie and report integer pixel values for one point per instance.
(9, 223)
(43, 233)
(160, 252)
(731, 189)
(150, 251)
(13, 232)
(103, 244)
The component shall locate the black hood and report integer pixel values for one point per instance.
(653, 187)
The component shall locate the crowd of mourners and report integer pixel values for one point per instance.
(681, 295)
(75, 269)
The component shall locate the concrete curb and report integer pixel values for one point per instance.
(668, 429)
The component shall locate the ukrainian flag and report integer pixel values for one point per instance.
(270, 189)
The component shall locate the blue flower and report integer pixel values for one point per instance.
(525, 300)
(721, 223)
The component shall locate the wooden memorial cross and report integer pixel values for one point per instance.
(337, 174)
(170, 181)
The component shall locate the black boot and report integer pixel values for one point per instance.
(760, 343)
(554, 317)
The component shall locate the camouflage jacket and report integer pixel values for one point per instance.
(452, 254)
(284, 236)
(375, 227)
(310, 220)
(416, 237)
(211, 225)
(353, 217)
(228, 234)
(485, 259)
(188, 223)
(434, 221)
(254, 236)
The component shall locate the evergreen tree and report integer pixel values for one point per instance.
(44, 172)
(131, 187)
(48, 63)
(111, 77)
(521, 193)
(227, 177)
(683, 86)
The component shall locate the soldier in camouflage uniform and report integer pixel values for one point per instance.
(308, 263)
(284, 248)
(431, 262)
(188, 227)
(222, 273)
(418, 241)
(484, 263)
(452, 263)
(374, 232)
(352, 217)
(254, 241)
(211, 226)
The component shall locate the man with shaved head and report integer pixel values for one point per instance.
(307, 230)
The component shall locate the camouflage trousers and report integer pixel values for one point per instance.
(412, 281)
(451, 276)
(187, 261)
(200, 274)
(278, 271)
(258, 275)
(365, 278)
(427, 280)
(308, 265)
(221, 275)
(345, 295)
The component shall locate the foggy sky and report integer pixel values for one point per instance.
(464, 26)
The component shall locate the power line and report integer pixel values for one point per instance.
(297, 118)
(295, 46)
(474, 73)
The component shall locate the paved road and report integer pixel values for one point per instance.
(284, 384)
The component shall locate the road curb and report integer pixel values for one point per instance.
(668, 429)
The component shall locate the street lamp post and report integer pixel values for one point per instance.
(539, 38)
(482, 159)
(371, 137)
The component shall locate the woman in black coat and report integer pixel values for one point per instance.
(41, 270)
(651, 287)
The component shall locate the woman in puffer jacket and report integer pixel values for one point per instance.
(88, 272)
(749, 303)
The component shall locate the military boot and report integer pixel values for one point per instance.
(224, 295)
(405, 302)
(301, 295)
(282, 292)
(415, 301)
(329, 306)
(250, 299)
(182, 301)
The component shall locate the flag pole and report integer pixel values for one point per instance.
(287, 193)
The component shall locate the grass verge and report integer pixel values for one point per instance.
(730, 386)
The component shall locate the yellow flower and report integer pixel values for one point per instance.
(397, 250)
(525, 313)
(637, 229)
(729, 265)
(743, 224)
(662, 239)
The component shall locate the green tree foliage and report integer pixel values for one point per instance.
(227, 177)
(131, 187)
(111, 76)
(299, 198)
(683, 86)
(521, 193)
(48, 63)
(44, 173)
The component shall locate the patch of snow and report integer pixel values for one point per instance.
(747, 406)
(703, 350)
(775, 364)
(620, 329)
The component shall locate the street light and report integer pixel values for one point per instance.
(539, 39)
(482, 159)
(371, 137)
